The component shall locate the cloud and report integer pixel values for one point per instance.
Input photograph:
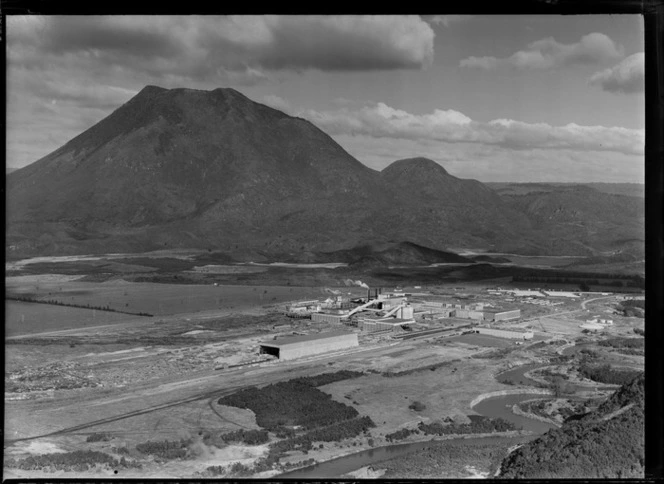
(548, 53)
(627, 77)
(498, 163)
(379, 120)
(202, 45)
(447, 20)
(80, 67)
(277, 102)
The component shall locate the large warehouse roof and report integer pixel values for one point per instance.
(308, 337)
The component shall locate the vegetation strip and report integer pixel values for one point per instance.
(53, 302)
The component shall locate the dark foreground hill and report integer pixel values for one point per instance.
(184, 168)
(606, 443)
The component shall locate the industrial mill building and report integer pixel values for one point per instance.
(293, 347)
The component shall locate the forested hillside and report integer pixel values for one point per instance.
(606, 443)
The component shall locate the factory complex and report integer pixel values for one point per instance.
(339, 322)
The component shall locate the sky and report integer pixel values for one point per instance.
(494, 98)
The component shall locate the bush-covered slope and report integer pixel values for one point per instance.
(606, 443)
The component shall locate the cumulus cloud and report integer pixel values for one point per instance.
(498, 163)
(548, 53)
(379, 120)
(83, 66)
(202, 45)
(628, 76)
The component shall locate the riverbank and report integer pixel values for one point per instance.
(501, 393)
(517, 411)
(344, 464)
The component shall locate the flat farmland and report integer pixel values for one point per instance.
(29, 318)
(482, 340)
(160, 299)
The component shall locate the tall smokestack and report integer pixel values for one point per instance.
(368, 295)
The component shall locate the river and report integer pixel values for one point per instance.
(499, 406)
(491, 407)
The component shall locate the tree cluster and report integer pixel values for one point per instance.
(288, 404)
(607, 374)
(591, 448)
(166, 449)
(98, 437)
(479, 424)
(247, 437)
(623, 343)
(77, 461)
(400, 434)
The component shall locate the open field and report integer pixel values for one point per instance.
(26, 318)
(482, 340)
(160, 299)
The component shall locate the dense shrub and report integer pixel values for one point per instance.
(417, 406)
(98, 437)
(634, 303)
(400, 434)
(249, 437)
(165, 449)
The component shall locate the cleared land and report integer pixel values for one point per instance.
(25, 318)
(160, 299)
(161, 378)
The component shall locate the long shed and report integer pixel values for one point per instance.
(292, 347)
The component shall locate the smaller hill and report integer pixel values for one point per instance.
(403, 253)
(605, 443)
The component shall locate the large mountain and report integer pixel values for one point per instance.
(184, 168)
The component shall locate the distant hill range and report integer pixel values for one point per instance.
(606, 443)
(184, 168)
(511, 188)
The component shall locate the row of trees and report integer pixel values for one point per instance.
(247, 437)
(55, 302)
(479, 424)
(623, 343)
(77, 461)
(332, 433)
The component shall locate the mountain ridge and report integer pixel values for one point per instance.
(186, 168)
